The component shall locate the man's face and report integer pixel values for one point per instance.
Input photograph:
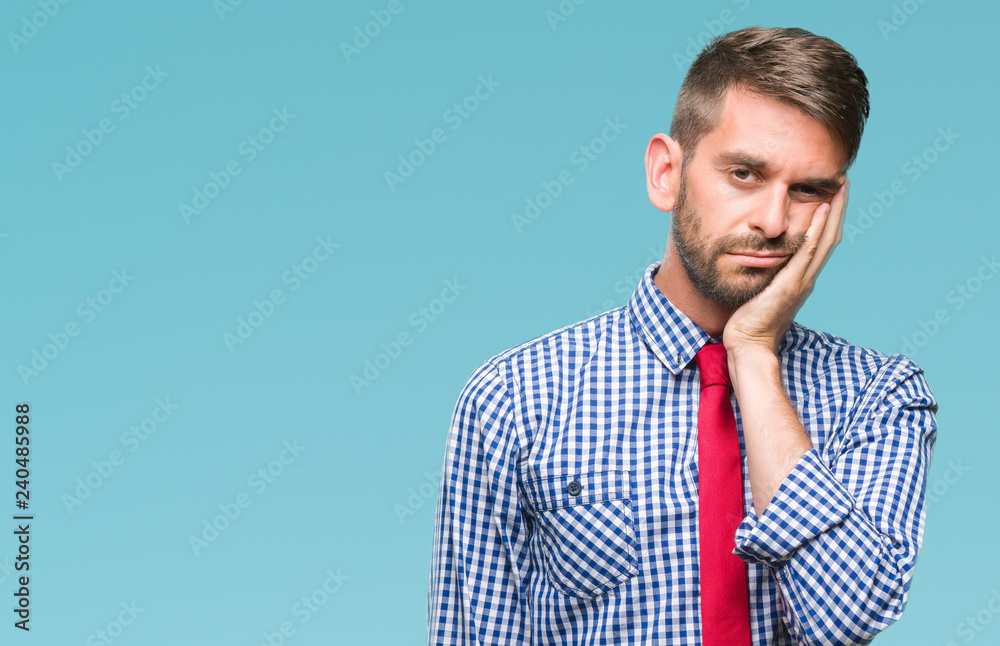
(751, 187)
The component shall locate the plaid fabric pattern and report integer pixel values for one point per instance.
(568, 507)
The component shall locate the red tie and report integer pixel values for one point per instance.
(725, 608)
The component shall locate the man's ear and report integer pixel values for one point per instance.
(663, 171)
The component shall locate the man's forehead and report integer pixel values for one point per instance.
(761, 132)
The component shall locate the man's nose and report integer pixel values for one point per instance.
(770, 215)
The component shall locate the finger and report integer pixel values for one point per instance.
(829, 236)
(841, 218)
(847, 197)
(801, 260)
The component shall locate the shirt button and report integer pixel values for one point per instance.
(574, 488)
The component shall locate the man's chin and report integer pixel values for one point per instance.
(738, 293)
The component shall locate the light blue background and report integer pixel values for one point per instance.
(336, 506)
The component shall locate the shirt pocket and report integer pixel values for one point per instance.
(586, 531)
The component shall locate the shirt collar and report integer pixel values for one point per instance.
(673, 337)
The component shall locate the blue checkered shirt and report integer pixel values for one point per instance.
(522, 555)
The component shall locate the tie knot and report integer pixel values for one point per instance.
(713, 366)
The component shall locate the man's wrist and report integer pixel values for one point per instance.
(750, 362)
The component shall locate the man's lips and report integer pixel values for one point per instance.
(755, 259)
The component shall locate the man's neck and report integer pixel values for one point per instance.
(673, 282)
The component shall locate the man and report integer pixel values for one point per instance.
(596, 489)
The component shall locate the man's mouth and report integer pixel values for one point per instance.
(755, 259)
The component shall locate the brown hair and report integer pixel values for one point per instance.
(794, 66)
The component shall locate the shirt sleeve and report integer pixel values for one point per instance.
(476, 593)
(842, 534)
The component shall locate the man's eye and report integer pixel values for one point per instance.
(812, 192)
(742, 174)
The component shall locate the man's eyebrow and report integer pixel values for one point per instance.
(743, 159)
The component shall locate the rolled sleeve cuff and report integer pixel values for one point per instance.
(809, 501)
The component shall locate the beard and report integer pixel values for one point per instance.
(700, 259)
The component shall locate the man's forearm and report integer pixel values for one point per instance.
(772, 432)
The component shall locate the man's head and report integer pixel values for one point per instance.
(766, 124)
(793, 66)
